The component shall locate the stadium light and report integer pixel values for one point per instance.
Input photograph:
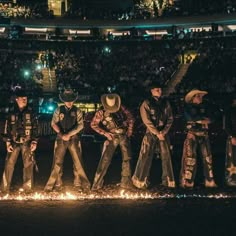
(83, 32)
(26, 73)
(38, 67)
(51, 108)
(106, 50)
(39, 30)
(2, 29)
(156, 32)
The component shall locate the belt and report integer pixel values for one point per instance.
(21, 140)
(191, 124)
(199, 133)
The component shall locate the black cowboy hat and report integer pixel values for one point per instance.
(19, 92)
(68, 96)
(155, 84)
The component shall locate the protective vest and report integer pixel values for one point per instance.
(21, 124)
(157, 112)
(195, 113)
(67, 119)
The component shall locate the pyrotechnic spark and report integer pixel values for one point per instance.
(122, 194)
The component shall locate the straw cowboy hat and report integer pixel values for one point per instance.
(189, 96)
(111, 102)
(68, 96)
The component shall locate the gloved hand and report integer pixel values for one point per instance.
(109, 136)
(9, 147)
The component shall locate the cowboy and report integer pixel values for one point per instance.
(115, 122)
(21, 135)
(197, 121)
(230, 162)
(156, 114)
(67, 122)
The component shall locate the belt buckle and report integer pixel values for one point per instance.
(119, 131)
(200, 133)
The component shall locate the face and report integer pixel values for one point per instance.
(156, 92)
(21, 102)
(69, 104)
(197, 99)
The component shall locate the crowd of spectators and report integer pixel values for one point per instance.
(18, 69)
(155, 9)
(90, 67)
(13, 10)
(138, 10)
(126, 67)
(203, 7)
(213, 69)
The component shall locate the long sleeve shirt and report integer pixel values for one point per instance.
(103, 123)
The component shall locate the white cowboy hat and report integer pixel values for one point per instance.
(192, 93)
(111, 102)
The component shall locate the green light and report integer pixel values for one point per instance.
(106, 50)
(26, 73)
(38, 67)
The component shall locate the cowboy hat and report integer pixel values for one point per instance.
(189, 96)
(111, 102)
(68, 96)
(155, 84)
(20, 93)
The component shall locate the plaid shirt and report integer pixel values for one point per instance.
(99, 117)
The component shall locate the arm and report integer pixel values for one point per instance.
(8, 136)
(7, 130)
(95, 125)
(35, 132)
(170, 119)
(55, 120)
(80, 124)
(130, 121)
